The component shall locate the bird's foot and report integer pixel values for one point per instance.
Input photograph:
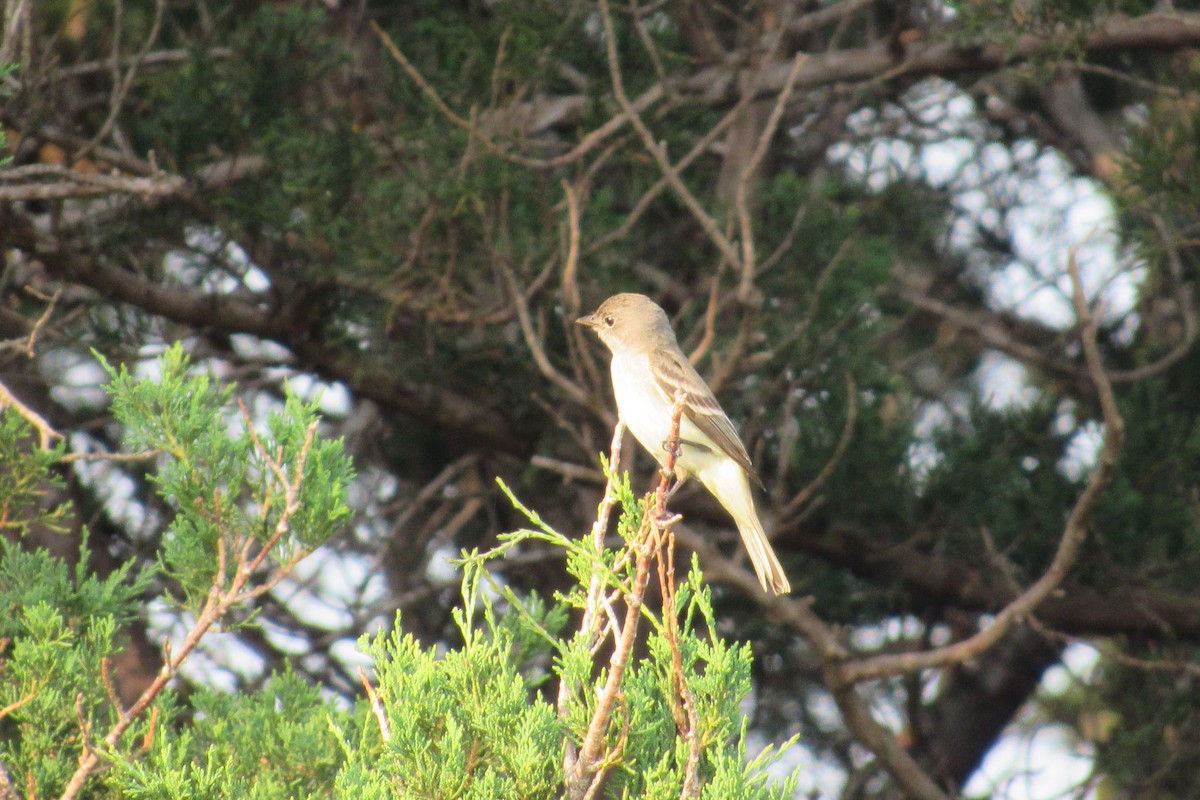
(667, 519)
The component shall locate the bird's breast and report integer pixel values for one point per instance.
(647, 413)
(640, 403)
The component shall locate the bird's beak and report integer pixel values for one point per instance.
(588, 322)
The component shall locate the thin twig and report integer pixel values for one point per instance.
(51, 301)
(710, 319)
(741, 195)
(796, 503)
(44, 430)
(148, 455)
(533, 342)
(385, 728)
(121, 85)
(707, 223)
(16, 704)
(643, 204)
(586, 144)
(1074, 532)
(217, 604)
(570, 282)
(594, 606)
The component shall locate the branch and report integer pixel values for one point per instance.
(741, 202)
(44, 430)
(707, 223)
(1069, 545)
(950, 57)
(385, 729)
(797, 502)
(586, 144)
(534, 343)
(591, 607)
(220, 600)
(77, 183)
(122, 84)
(257, 315)
(946, 57)
(797, 614)
(585, 773)
(701, 147)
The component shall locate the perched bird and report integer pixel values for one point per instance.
(647, 369)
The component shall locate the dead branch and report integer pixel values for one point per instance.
(585, 771)
(705, 220)
(76, 183)
(741, 201)
(45, 432)
(586, 144)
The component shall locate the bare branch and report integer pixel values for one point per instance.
(1069, 545)
(534, 343)
(45, 432)
(570, 276)
(385, 728)
(121, 85)
(76, 183)
(586, 144)
(707, 223)
(741, 198)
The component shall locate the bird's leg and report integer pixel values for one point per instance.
(668, 467)
(670, 464)
(676, 478)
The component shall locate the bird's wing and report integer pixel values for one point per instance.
(673, 371)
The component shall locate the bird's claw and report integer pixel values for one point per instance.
(667, 520)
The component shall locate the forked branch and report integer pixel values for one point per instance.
(229, 589)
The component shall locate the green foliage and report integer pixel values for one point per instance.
(1003, 482)
(217, 474)
(32, 578)
(59, 625)
(475, 721)
(26, 478)
(468, 724)
(462, 725)
(651, 756)
(505, 54)
(1155, 487)
(1158, 177)
(229, 102)
(278, 742)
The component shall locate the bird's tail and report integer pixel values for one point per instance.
(729, 485)
(762, 556)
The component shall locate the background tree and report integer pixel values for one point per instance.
(864, 217)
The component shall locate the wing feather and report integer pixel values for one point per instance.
(671, 372)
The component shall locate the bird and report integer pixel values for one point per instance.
(647, 370)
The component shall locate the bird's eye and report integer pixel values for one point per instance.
(609, 321)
